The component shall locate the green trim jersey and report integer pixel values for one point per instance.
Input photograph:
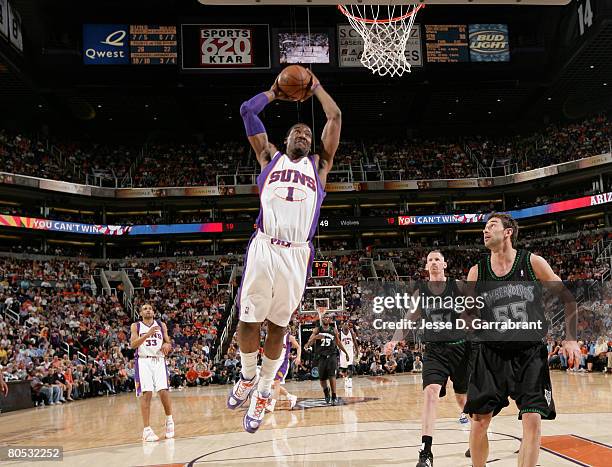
(516, 298)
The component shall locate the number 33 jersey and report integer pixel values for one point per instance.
(151, 347)
(290, 194)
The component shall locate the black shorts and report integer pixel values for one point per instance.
(327, 367)
(520, 374)
(443, 360)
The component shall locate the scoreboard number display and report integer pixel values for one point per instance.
(225, 46)
(321, 269)
(447, 43)
(222, 47)
(153, 45)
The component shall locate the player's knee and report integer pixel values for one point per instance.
(480, 422)
(531, 422)
(432, 391)
(276, 330)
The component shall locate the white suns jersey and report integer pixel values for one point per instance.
(347, 341)
(290, 194)
(151, 347)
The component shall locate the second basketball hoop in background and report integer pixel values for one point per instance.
(385, 30)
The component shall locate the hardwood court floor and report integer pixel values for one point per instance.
(378, 424)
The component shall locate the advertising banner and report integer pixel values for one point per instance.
(489, 43)
(105, 44)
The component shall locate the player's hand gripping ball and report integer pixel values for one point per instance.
(295, 83)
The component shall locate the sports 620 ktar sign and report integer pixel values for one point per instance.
(105, 44)
(225, 46)
(350, 47)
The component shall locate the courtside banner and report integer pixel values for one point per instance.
(110, 230)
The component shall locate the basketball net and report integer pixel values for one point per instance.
(385, 30)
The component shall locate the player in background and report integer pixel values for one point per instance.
(279, 380)
(150, 339)
(280, 253)
(447, 351)
(349, 340)
(511, 281)
(3, 385)
(329, 343)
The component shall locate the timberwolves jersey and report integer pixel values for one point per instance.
(515, 297)
(438, 308)
(291, 194)
(327, 345)
(151, 347)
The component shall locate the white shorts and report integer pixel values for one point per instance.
(151, 375)
(274, 279)
(344, 363)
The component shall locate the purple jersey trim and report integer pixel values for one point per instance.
(138, 334)
(261, 181)
(244, 270)
(320, 196)
(137, 378)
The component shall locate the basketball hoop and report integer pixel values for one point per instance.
(384, 33)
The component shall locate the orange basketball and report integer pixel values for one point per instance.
(295, 81)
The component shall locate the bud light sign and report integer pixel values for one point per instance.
(105, 44)
(489, 43)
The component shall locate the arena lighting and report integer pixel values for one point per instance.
(469, 231)
(194, 241)
(10, 237)
(72, 211)
(478, 201)
(336, 206)
(590, 216)
(121, 213)
(150, 243)
(238, 209)
(381, 234)
(10, 203)
(375, 205)
(71, 242)
(421, 203)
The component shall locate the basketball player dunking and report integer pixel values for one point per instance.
(150, 339)
(517, 366)
(280, 253)
(279, 379)
(349, 340)
(447, 351)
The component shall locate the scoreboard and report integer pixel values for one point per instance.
(153, 45)
(447, 43)
(321, 269)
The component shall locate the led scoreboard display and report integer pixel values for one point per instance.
(447, 43)
(321, 269)
(153, 45)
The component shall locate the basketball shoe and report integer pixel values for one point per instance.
(241, 391)
(463, 419)
(255, 414)
(271, 405)
(149, 435)
(349, 383)
(292, 401)
(425, 459)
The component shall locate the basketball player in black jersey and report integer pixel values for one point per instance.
(515, 365)
(447, 352)
(329, 344)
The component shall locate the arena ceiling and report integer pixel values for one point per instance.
(551, 75)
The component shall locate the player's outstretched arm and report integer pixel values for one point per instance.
(544, 273)
(313, 337)
(255, 130)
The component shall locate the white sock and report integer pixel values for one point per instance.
(147, 428)
(249, 364)
(269, 368)
(169, 418)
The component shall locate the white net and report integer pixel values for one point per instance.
(385, 30)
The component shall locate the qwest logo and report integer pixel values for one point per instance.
(105, 44)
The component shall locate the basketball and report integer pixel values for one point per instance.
(295, 82)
